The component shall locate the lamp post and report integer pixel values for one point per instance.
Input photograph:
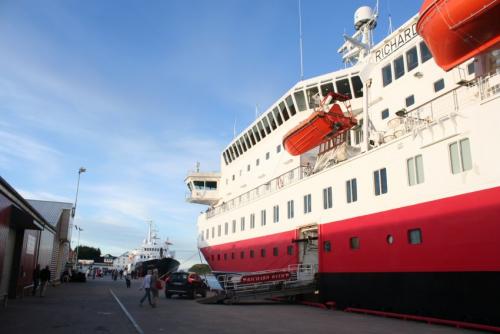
(80, 171)
(73, 211)
(78, 247)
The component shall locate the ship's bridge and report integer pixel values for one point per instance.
(203, 187)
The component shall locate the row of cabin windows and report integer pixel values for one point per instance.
(288, 108)
(398, 64)
(251, 254)
(460, 161)
(414, 238)
(410, 100)
(257, 163)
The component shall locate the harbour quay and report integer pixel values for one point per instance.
(106, 306)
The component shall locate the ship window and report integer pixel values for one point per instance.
(300, 100)
(242, 223)
(425, 54)
(224, 156)
(389, 239)
(411, 58)
(357, 85)
(307, 203)
(354, 243)
(278, 149)
(251, 137)
(228, 155)
(252, 254)
(235, 150)
(234, 226)
(415, 167)
(415, 236)
(247, 140)
(439, 85)
(263, 217)
(290, 105)
(410, 100)
(277, 116)
(242, 254)
(275, 251)
(257, 162)
(276, 214)
(289, 250)
(266, 126)
(352, 190)
(230, 149)
(248, 167)
(385, 113)
(290, 209)
(268, 155)
(263, 252)
(226, 228)
(218, 257)
(242, 142)
(252, 220)
(380, 181)
(233, 177)
(271, 120)
(471, 68)
(219, 229)
(460, 156)
(207, 234)
(213, 232)
(311, 92)
(211, 185)
(399, 67)
(327, 88)
(255, 132)
(386, 75)
(284, 112)
(327, 246)
(239, 146)
(232, 255)
(327, 198)
(225, 256)
(343, 87)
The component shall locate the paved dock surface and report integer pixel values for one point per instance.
(91, 308)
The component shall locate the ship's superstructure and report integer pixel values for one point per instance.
(402, 213)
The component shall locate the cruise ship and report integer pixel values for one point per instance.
(397, 209)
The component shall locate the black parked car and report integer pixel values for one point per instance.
(187, 284)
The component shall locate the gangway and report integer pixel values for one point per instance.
(296, 279)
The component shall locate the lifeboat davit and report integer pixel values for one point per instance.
(320, 126)
(456, 30)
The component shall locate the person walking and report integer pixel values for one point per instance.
(146, 285)
(45, 279)
(155, 286)
(36, 278)
(127, 277)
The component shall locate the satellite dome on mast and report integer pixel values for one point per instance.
(364, 15)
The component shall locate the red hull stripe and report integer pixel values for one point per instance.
(459, 233)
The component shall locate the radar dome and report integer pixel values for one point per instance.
(362, 15)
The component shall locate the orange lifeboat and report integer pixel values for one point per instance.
(319, 127)
(456, 30)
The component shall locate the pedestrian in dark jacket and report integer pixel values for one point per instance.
(36, 278)
(44, 278)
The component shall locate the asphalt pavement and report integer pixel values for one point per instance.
(94, 307)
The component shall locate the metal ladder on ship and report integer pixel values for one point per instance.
(297, 279)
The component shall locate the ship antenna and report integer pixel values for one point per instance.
(300, 42)
(390, 25)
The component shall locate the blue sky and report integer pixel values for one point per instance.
(139, 91)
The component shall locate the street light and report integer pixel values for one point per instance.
(73, 211)
(78, 247)
(80, 171)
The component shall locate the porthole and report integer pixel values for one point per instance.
(390, 239)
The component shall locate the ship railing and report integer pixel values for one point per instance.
(450, 102)
(269, 280)
(292, 176)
